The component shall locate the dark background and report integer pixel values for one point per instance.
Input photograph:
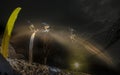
(96, 19)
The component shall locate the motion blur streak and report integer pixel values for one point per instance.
(31, 47)
(87, 45)
(77, 47)
(93, 50)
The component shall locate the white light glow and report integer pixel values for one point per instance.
(76, 64)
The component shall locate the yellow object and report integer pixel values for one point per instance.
(7, 32)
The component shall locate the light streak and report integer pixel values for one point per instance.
(31, 47)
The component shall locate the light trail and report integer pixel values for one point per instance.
(31, 46)
(76, 47)
(86, 44)
(95, 51)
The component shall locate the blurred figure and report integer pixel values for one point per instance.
(72, 35)
(46, 27)
(32, 28)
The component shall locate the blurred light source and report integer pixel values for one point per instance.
(76, 65)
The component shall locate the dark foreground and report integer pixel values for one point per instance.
(24, 68)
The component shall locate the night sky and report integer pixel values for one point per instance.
(93, 19)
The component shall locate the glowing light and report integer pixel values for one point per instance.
(76, 64)
(85, 44)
